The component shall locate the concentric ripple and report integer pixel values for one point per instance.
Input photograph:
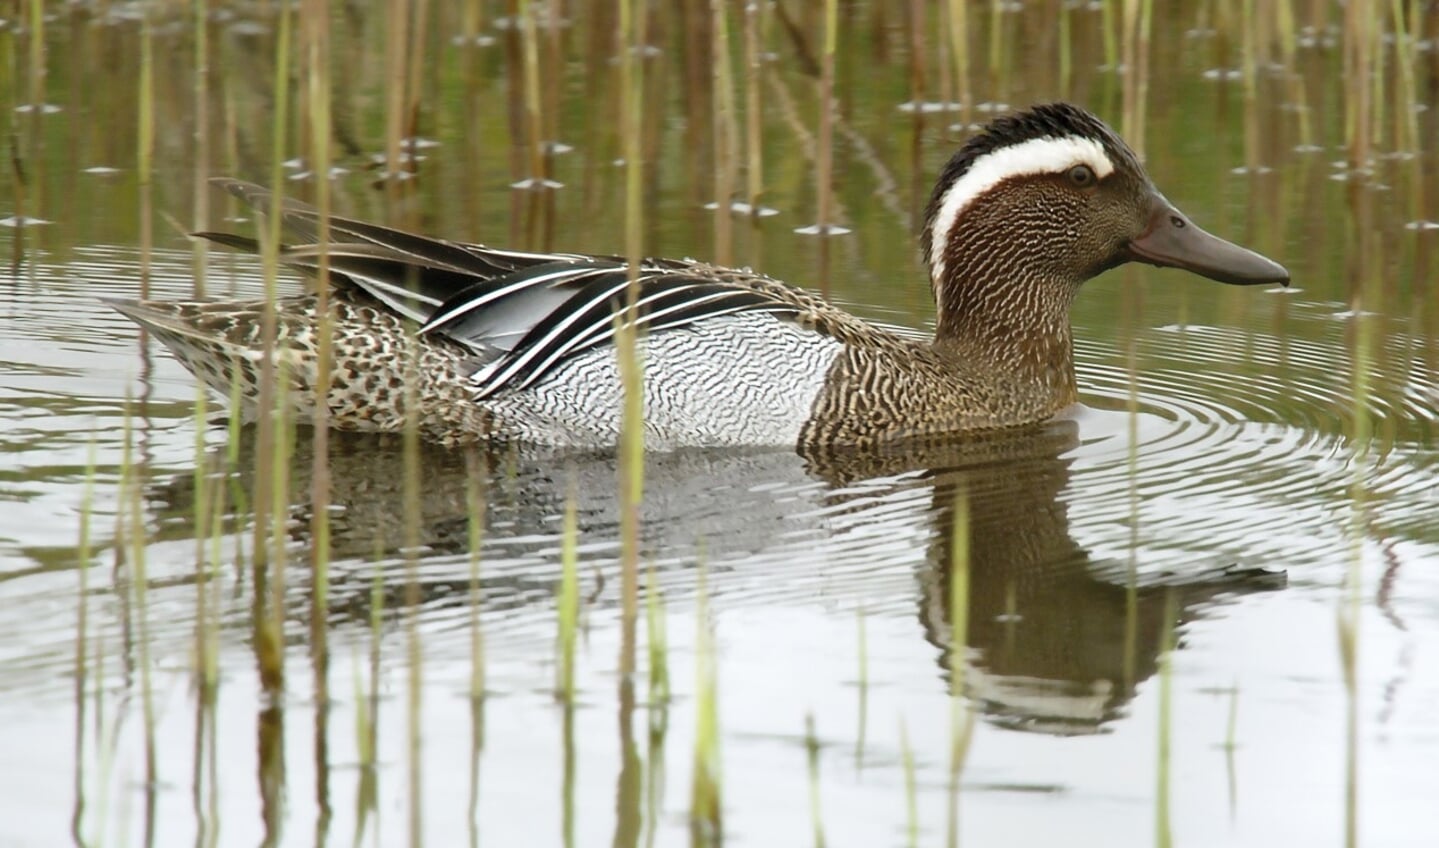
(1244, 450)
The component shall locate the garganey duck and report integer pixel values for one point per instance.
(518, 346)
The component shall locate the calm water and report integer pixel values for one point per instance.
(1225, 512)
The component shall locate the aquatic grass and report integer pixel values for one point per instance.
(418, 32)
(996, 41)
(811, 747)
(200, 216)
(414, 654)
(35, 23)
(82, 622)
(38, 72)
(568, 602)
(824, 148)
(397, 20)
(208, 516)
(862, 651)
(725, 136)
(367, 707)
(476, 508)
(1350, 607)
(525, 15)
(911, 794)
(1249, 72)
(1358, 64)
(568, 771)
(632, 37)
(658, 702)
(958, 20)
(316, 75)
(961, 720)
(1230, 745)
(130, 543)
(268, 621)
(1066, 48)
(657, 643)
(145, 149)
(231, 464)
(918, 70)
(756, 31)
(1136, 21)
(1287, 28)
(1134, 307)
(1406, 119)
(15, 164)
(706, 789)
(1163, 828)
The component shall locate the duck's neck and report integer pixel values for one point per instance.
(1014, 324)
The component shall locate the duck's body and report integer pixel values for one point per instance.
(493, 344)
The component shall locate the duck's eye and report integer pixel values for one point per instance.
(1082, 176)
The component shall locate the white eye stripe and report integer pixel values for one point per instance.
(1036, 156)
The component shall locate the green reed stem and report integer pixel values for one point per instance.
(317, 89)
(631, 366)
(958, 591)
(657, 639)
(268, 623)
(569, 601)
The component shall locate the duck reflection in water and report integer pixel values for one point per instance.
(1057, 641)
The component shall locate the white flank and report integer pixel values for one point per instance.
(1036, 156)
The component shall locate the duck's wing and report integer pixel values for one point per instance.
(528, 322)
(521, 313)
(433, 269)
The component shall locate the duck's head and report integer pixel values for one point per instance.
(1041, 201)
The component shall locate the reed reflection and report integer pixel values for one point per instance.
(1058, 640)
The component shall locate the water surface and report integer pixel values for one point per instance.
(1210, 491)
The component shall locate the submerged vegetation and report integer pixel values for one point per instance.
(1312, 125)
